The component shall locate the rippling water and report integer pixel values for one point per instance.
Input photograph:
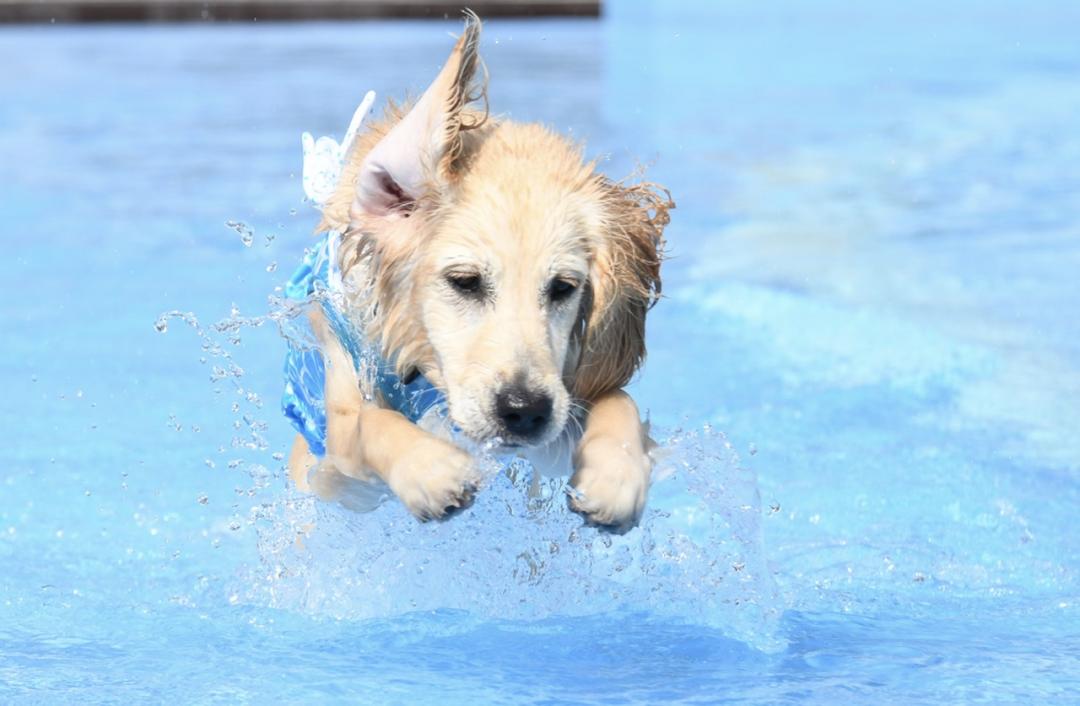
(866, 372)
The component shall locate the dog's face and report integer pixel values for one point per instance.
(500, 282)
(501, 266)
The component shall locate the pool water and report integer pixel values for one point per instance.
(865, 374)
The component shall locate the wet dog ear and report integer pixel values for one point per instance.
(623, 285)
(420, 152)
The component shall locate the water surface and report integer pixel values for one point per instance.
(871, 296)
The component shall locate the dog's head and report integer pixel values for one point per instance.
(498, 263)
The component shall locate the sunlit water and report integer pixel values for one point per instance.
(865, 375)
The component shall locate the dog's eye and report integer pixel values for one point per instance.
(561, 289)
(465, 283)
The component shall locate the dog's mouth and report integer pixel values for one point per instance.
(500, 440)
(495, 437)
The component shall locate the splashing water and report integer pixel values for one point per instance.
(225, 368)
(247, 233)
(697, 555)
(519, 552)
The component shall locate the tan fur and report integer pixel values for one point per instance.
(518, 206)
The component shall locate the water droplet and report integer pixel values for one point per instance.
(272, 267)
(162, 324)
(247, 235)
(203, 499)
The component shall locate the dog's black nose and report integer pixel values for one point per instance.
(523, 412)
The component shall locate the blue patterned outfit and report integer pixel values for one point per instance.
(303, 402)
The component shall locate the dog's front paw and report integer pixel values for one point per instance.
(610, 484)
(433, 479)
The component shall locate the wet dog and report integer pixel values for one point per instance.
(488, 258)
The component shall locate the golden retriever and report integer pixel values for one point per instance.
(490, 258)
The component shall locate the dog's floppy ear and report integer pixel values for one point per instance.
(421, 149)
(623, 285)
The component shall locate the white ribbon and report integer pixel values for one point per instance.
(324, 158)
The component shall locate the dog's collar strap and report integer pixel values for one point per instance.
(318, 279)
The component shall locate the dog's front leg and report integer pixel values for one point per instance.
(611, 464)
(431, 477)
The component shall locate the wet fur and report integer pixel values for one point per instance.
(536, 186)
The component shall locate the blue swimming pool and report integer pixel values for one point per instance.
(865, 373)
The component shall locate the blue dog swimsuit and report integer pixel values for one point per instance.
(304, 402)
